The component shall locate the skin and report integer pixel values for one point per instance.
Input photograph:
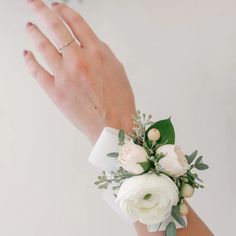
(86, 82)
(195, 227)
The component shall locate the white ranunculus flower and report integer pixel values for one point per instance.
(148, 198)
(130, 155)
(174, 162)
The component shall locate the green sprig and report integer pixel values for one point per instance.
(114, 178)
(142, 121)
(190, 177)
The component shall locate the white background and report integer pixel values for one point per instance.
(180, 56)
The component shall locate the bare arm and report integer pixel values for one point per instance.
(86, 82)
(196, 227)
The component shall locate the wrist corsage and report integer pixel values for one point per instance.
(153, 175)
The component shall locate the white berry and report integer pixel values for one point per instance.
(183, 209)
(154, 134)
(187, 191)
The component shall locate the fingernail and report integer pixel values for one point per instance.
(29, 24)
(25, 52)
(30, 1)
(55, 4)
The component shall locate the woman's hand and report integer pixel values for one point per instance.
(86, 81)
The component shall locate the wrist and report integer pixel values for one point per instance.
(124, 122)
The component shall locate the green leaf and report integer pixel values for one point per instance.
(191, 157)
(177, 216)
(171, 229)
(201, 166)
(190, 177)
(113, 154)
(146, 165)
(121, 136)
(166, 130)
(198, 160)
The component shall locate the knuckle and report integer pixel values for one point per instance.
(99, 53)
(106, 48)
(78, 66)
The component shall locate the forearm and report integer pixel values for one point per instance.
(195, 227)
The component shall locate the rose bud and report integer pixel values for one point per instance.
(187, 191)
(130, 156)
(174, 161)
(183, 209)
(154, 134)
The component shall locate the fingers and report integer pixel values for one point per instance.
(59, 32)
(45, 47)
(45, 80)
(77, 24)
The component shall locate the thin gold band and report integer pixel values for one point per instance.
(66, 44)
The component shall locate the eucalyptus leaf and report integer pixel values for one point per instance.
(113, 154)
(191, 157)
(201, 166)
(175, 213)
(171, 229)
(198, 160)
(199, 179)
(166, 130)
(121, 136)
(146, 165)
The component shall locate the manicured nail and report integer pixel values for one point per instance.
(55, 4)
(29, 24)
(25, 52)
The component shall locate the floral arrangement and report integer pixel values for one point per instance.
(154, 175)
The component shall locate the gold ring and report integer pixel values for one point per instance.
(66, 44)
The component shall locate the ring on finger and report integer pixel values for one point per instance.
(66, 44)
